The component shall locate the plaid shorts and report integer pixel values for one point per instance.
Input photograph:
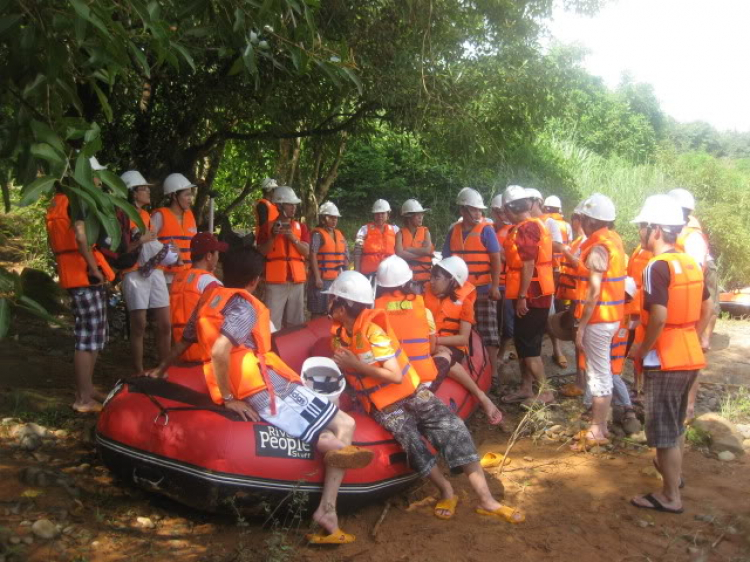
(317, 302)
(666, 395)
(424, 414)
(89, 306)
(485, 311)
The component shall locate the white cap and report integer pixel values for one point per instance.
(579, 208)
(133, 179)
(285, 194)
(412, 206)
(381, 206)
(469, 197)
(94, 163)
(599, 207)
(532, 193)
(684, 198)
(497, 201)
(329, 209)
(662, 210)
(553, 201)
(514, 193)
(630, 287)
(352, 286)
(393, 271)
(268, 184)
(456, 267)
(176, 182)
(323, 376)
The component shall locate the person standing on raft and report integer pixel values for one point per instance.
(233, 328)
(368, 351)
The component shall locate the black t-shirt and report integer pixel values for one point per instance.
(656, 278)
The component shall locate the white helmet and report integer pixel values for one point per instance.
(94, 163)
(133, 179)
(497, 201)
(579, 208)
(393, 271)
(514, 193)
(599, 207)
(532, 193)
(268, 184)
(329, 209)
(456, 267)
(352, 286)
(630, 287)
(684, 198)
(323, 376)
(412, 206)
(176, 182)
(469, 197)
(381, 206)
(662, 210)
(553, 201)
(285, 194)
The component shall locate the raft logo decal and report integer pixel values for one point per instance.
(270, 441)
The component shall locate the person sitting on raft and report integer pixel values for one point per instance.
(367, 350)
(230, 324)
(432, 361)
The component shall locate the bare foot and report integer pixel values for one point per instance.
(87, 407)
(326, 517)
(517, 397)
(494, 415)
(98, 396)
(545, 397)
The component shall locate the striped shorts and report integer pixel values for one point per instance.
(666, 394)
(485, 311)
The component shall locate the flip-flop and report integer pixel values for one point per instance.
(337, 537)
(570, 391)
(656, 505)
(504, 513)
(446, 505)
(87, 408)
(350, 456)
(491, 460)
(656, 466)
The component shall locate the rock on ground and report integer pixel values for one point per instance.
(44, 529)
(723, 434)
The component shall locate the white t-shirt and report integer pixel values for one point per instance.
(205, 280)
(696, 248)
(554, 230)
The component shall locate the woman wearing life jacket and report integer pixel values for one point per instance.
(368, 352)
(244, 375)
(144, 292)
(329, 256)
(505, 312)
(414, 243)
(449, 297)
(375, 241)
(265, 209)
(175, 223)
(675, 311)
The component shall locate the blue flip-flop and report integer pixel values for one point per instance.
(656, 505)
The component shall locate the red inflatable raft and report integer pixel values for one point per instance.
(169, 437)
(736, 303)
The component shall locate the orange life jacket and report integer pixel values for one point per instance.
(248, 369)
(678, 346)
(373, 392)
(566, 283)
(619, 345)
(637, 263)
(502, 234)
(272, 214)
(420, 266)
(408, 316)
(378, 245)
(182, 234)
(146, 218)
(71, 266)
(611, 304)
(183, 298)
(557, 258)
(331, 254)
(284, 263)
(514, 264)
(473, 252)
(691, 227)
(446, 312)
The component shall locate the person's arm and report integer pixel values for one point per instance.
(174, 352)
(314, 248)
(707, 314)
(657, 319)
(266, 243)
(461, 339)
(220, 355)
(301, 246)
(85, 250)
(386, 371)
(527, 274)
(496, 265)
(592, 297)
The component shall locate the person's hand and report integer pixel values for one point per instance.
(147, 237)
(157, 373)
(345, 359)
(96, 274)
(521, 307)
(635, 352)
(245, 411)
(705, 343)
(579, 336)
(318, 283)
(276, 228)
(494, 293)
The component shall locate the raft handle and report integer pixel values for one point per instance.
(139, 480)
(166, 417)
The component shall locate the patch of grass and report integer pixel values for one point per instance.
(735, 406)
(697, 437)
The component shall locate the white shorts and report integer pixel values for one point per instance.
(597, 341)
(142, 293)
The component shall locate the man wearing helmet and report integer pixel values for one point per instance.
(675, 310)
(265, 210)
(414, 243)
(329, 256)
(286, 245)
(375, 241)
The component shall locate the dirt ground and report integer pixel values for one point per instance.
(576, 504)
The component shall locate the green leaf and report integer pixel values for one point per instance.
(34, 85)
(248, 57)
(4, 318)
(31, 192)
(141, 58)
(103, 102)
(37, 310)
(185, 55)
(44, 151)
(132, 213)
(6, 23)
(43, 133)
(349, 73)
(114, 182)
(84, 11)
